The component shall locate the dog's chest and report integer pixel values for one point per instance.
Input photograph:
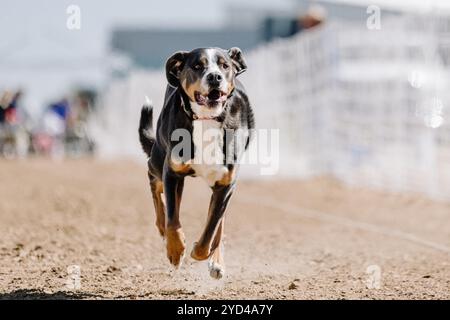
(208, 161)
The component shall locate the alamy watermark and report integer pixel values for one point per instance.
(73, 21)
(373, 21)
(373, 280)
(218, 146)
(73, 280)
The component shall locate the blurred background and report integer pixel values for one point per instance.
(357, 89)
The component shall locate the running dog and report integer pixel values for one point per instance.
(202, 95)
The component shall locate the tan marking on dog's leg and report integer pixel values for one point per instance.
(157, 189)
(175, 245)
(175, 240)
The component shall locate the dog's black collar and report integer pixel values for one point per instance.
(186, 105)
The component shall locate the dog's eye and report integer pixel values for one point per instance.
(225, 66)
(198, 66)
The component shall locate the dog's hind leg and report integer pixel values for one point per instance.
(219, 201)
(157, 190)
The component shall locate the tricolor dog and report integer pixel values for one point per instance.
(204, 108)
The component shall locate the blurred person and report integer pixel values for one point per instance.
(11, 111)
(61, 109)
(283, 27)
(14, 138)
(49, 139)
(5, 101)
(78, 140)
(315, 16)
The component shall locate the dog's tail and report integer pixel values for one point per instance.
(146, 135)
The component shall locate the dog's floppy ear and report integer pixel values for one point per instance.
(174, 65)
(238, 60)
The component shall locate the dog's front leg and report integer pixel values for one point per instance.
(219, 201)
(216, 263)
(175, 243)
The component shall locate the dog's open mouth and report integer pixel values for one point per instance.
(213, 98)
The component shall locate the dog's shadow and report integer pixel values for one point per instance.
(36, 294)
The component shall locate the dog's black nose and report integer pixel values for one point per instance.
(214, 79)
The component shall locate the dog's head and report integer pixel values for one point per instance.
(207, 76)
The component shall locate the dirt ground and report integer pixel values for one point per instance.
(284, 240)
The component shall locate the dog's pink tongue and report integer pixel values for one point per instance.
(200, 99)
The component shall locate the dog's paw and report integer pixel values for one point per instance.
(175, 245)
(216, 270)
(199, 253)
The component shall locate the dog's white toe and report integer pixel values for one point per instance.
(216, 270)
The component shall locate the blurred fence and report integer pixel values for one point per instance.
(366, 106)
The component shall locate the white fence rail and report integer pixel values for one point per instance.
(368, 107)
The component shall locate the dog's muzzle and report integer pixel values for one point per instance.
(212, 99)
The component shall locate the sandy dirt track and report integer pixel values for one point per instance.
(284, 240)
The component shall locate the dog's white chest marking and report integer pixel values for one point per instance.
(208, 161)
